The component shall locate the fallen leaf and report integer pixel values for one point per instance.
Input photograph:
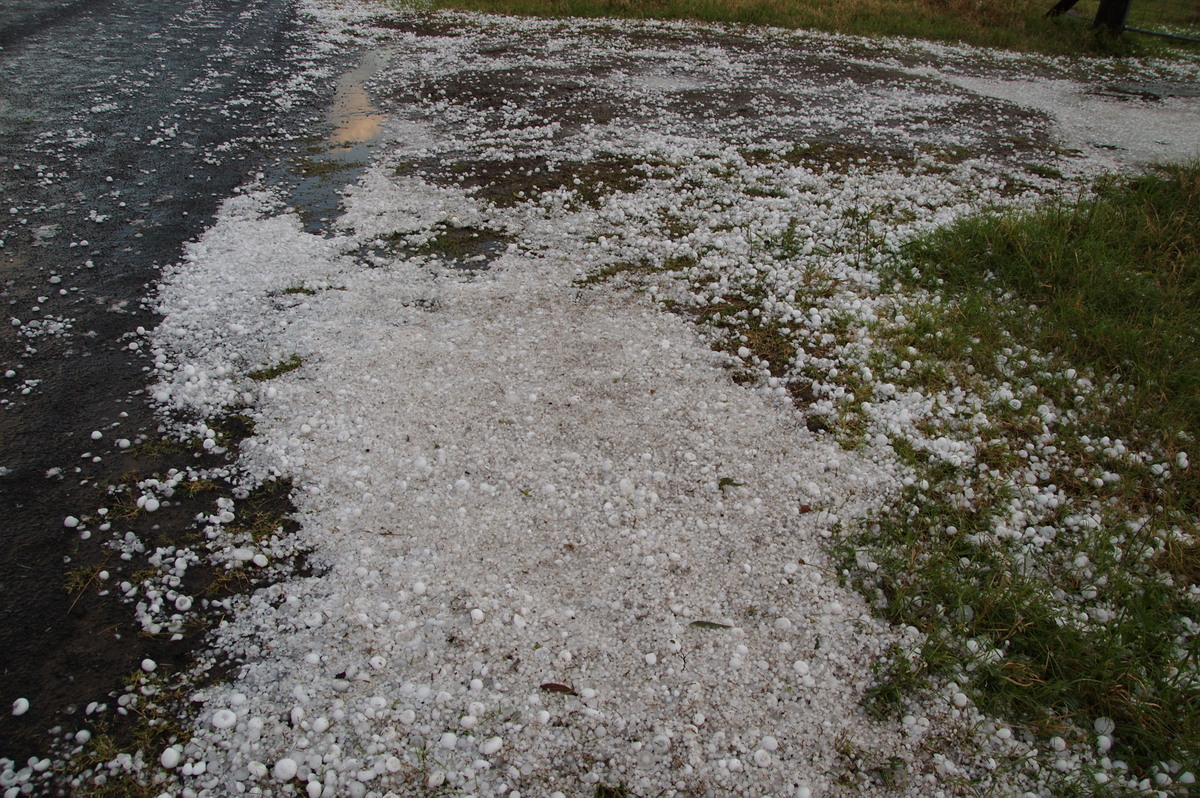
(555, 687)
(710, 625)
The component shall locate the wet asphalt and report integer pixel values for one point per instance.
(123, 123)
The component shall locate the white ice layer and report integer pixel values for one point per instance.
(523, 488)
(553, 545)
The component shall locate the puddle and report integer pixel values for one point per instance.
(339, 159)
(356, 119)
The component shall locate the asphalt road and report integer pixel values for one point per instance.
(122, 125)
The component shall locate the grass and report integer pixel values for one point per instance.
(1011, 24)
(314, 167)
(1084, 611)
(78, 580)
(264, 514)
(156, 717)
(641, 268)
(290, 363)
(1116, 280)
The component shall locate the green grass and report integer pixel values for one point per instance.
(159, 716)
(1116, 280)
(290, 363)
(1010, 24)
(1095, 621)
(315, 167)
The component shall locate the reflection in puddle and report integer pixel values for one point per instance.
(355, 118)
(352, 110)
(317, 181)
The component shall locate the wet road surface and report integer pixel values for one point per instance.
(122, 124)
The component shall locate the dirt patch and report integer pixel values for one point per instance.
(516, 98)
(524, 179)
(661, 78)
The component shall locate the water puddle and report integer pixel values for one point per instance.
(356, 119)
(338, 160)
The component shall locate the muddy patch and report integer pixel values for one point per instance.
(523, 179)
(570, 96)
(518, 98)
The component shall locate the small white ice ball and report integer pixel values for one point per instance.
(149, 665)
(152, 504)
(224, 719)
(20, 707)
(171, 757)
(183, 603)
(762, 758)
(448, 741)
(285, 769)
(314, 789)
(70, 522)
(477, 615)
(769, 743)
(490, 746)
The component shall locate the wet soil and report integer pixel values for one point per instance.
(531, 82)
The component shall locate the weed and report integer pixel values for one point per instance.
(199, 487)
(228, 582)
(642, 267)
(154, 716)
(264, 514)
(1116, 281)
(232, 428)
(312, 167)
(157, 447)
(464, 247)
(291, 363)
(80, 579)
